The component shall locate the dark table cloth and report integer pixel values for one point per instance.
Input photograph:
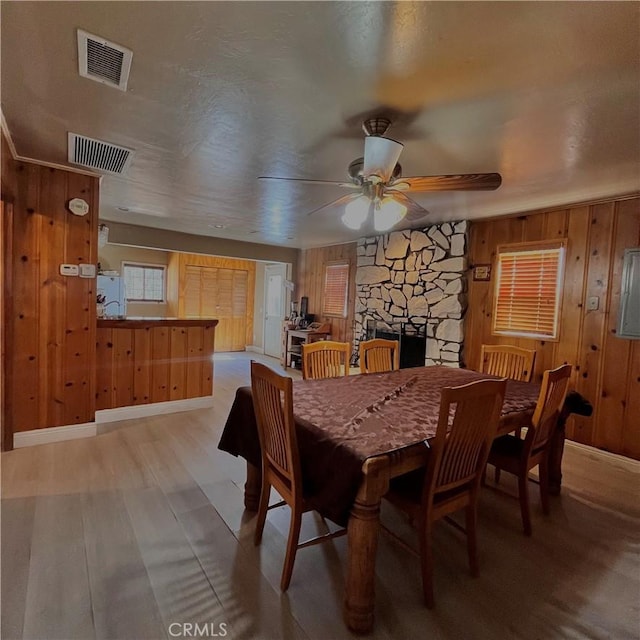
(343, 421)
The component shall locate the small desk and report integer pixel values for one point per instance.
(353, 437)
(294, 339)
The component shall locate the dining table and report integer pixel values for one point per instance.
(355, 434)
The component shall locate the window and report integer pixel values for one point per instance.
(528, 288)
(144, 282)
(336, 288)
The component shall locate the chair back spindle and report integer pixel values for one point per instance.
(507, 362)
(462, 442)
(379, 355)
(325, 359)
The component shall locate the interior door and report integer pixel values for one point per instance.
(274, 302)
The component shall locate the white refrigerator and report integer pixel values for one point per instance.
(112, 288)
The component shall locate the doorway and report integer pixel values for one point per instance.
(274, 308)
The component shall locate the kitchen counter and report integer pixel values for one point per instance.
(151, 360)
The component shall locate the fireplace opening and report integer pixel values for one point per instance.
(412, 341)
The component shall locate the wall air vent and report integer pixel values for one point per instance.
(97, 154)
(103, 61)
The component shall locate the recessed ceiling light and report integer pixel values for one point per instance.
(123, 208)
(216, 226)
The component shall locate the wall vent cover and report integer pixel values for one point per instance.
(103, 61)
(97, 154)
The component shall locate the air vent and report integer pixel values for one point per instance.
(103, 61)
(97, 154)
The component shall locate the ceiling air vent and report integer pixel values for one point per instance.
(103, 61)
(97, 154)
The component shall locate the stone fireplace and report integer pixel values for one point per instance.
(415, 278)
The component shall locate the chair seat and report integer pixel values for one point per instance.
(405, 492)
(507, 446)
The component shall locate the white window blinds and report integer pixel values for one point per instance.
(528, 286)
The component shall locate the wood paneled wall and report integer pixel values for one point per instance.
(606, 368)
(310, 283)
(153, 364)
(52, 327)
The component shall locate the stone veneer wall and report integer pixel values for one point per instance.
(416, 277)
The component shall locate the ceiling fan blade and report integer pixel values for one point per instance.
(380, 157)
(465, 182)
(415, 212)
(348, 185)
(336, 203)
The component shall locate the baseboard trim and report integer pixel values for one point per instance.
(54, 434)
(154, 409)
(89, 429)
(254, 349)
(603, 454)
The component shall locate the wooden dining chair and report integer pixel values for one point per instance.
(507, 361)
(457, 458)
(379, 355)
(273, 405)
(517, 456)
(325, 359)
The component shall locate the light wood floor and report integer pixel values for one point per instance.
(121, 535)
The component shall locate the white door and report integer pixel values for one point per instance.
(274, 308)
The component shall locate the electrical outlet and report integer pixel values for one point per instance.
(593, 303)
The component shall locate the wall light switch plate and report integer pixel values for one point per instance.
(593, 303)
(69, 270)
(87, 270)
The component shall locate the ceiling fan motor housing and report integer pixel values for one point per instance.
(356, 167)
(376, 126)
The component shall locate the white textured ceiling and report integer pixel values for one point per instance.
(547, 94)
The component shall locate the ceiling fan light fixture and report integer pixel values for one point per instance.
(388, 213)
(356, 212)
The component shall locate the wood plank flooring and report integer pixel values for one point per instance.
(124, 534)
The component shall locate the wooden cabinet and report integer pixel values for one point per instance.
(147, 361)
(210, 287)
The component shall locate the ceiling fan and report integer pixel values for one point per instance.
(377, 183)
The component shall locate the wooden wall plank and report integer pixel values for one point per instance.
(142, 366)
(105, 387)
(53, 295)
(123, 369)
(80, 305)
(177, 363)
(195, 353)
(160, 364)
(25, 353)
(209, 335)
(593, 324)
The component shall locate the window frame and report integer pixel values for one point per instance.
(524, 247)
(145, 265)
(327, 266)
